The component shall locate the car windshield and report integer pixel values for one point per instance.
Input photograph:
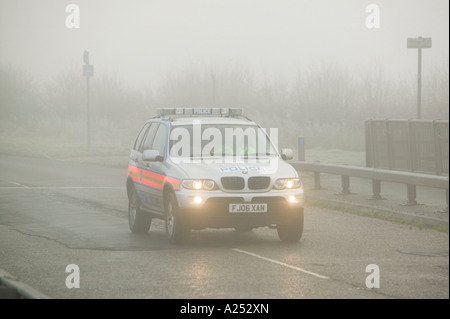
(218, 140)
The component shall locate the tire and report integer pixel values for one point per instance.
(176, 231)
(291, 232)
(138, 221)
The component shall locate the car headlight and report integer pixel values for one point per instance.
(199, 184)
(208, 184)
(287, 183)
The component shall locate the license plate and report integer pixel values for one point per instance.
(247, 208)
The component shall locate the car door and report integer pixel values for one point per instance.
(137, 143)
(146, 143)
(154, 172)
(135, 156)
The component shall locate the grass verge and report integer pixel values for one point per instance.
(379, 214)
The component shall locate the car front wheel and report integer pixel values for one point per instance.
(176, 231)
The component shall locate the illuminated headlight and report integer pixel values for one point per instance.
(199, 184)
(287, 183)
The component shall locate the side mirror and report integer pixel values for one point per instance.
(287, 154)
(152, 156)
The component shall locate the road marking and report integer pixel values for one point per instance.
(18, 184)
(281, 263)
(56, 187)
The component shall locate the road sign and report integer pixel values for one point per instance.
(88, 70)
(418, 43)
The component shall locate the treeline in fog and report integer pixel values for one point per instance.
(325, 104)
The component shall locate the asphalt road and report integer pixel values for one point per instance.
(55, 213)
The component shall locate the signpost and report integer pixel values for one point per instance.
(301, 148)
(419, 43)
(88, 71)
(213, 77)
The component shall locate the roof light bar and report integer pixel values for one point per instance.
(199, 111)
(235, 111)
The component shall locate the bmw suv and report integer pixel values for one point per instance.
(211, 168)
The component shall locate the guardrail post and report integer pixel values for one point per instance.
(446, 197)
(376, 189)
(437, 148)
(345, 181)
(412, 142)
(411, 190)
(390, 146)
(369, 159)
(301, 148)
(317, 181)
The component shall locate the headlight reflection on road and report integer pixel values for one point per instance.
(200, 276)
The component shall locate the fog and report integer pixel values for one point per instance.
(142, 41)
(321, 61)
(79, 159)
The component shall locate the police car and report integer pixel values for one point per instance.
(211, 168)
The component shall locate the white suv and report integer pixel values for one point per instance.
(211, 168)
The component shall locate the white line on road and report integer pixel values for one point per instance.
(18, 184)
(280, 263)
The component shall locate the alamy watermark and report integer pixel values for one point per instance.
(73, 279)
(209, 143)
(73, 17)
(373, 279)
(373, 17)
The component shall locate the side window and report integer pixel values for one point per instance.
(140, 137)
(147, 144)
(160, 140)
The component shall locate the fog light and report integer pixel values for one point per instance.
(198, 200)
(292, 199)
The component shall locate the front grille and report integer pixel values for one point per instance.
(233, 183)
(258, 182)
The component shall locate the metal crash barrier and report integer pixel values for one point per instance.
(419, 146)
(411, 180)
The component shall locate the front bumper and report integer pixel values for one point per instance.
(213, 211)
